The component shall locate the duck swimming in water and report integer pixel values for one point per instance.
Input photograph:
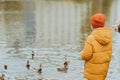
(5, 67)
(39, 70)
(2, 77)
(33, 54)
(63, 69)
(28, 65)
(65, 66)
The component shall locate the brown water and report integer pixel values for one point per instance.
(53, 29)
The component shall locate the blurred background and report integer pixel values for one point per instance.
(51, 23)
(53, 29)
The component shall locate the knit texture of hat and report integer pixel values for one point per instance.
(97, 20)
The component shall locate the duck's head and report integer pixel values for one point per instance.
(27, 61)
(40, 65)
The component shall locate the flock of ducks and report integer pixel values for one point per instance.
(39, 70)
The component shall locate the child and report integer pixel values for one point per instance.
(97, 49)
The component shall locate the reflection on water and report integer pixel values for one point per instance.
(54, 29)
(43, 24)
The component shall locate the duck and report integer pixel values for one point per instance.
(5, 66)
(64, 69)
(39, 70)
(28, 64)
(33, 54)
(40, 78)
(2, 77)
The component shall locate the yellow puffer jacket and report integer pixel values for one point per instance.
(97, 54)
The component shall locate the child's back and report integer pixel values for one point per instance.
(97, 50)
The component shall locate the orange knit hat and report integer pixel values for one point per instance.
(97, 20)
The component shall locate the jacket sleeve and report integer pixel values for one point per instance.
(86, 53)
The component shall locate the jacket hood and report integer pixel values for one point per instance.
(102, 35)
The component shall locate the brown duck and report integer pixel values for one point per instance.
(63, 69)
(40, 69)
(28, 64)
(65, 66)
(33, 54)
(2, 77)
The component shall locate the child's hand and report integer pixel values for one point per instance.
(81, 54)
(81, 51)
(115, 27)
